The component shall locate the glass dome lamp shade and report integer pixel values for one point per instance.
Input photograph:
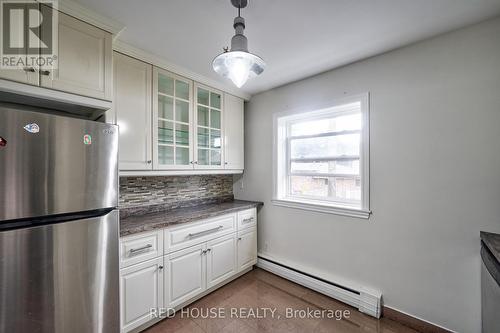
(238, 66)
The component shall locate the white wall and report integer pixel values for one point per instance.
(435, 176)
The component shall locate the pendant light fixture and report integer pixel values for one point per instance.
(238, 64)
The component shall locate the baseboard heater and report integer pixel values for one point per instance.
(365, 300)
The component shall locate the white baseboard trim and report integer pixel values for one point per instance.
(365, 300)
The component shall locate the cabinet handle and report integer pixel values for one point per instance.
(149, 161)
(203, 252)
(160, 267)
(201, 233)
(250, 219)
(225, 163)
(29, 69)
(140, 249)
(195, 162)
(239, 238)
(46, 73)
(208, 250)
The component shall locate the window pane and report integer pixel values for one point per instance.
(215, 100)
(203, 96)
(181, 156)
(182, 111)
(203, 137)
(203, 156)
(347, 189)
(214, 118)
(165, 107)
(215, 157)
(322, 147)
(182, 89)
(165, 85)
(165, 155)
(342, 123)
(202, 116)
(182, 134)
(347, 167)
(215, 141)
(165, 132)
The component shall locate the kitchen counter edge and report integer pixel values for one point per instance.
(160, 220)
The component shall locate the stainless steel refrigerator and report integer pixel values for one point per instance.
(58, 223)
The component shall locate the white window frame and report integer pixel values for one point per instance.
(281, 160)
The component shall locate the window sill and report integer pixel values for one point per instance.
(344, 211)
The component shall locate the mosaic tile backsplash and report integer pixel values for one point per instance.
(174, 191)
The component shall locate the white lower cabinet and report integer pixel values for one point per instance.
(186, 275)
(221, 259)
(141, 289)
(247, 249)
(178, 275)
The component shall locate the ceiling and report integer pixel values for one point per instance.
(296, 38)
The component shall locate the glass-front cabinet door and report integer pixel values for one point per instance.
(208, 128)
(172, 121)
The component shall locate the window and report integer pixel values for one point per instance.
(321, 158)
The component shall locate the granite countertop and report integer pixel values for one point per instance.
(492, 242)
(159, 220)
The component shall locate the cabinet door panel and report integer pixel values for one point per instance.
(17, 35)
(247, 249)
(132, 105)
(172, 121)
(233, 133)
(141, 289)
(84, 60)
(186, 275)
(208, 126)
(221, 259)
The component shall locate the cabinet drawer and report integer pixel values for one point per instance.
(140, 247)
(247, 218)
(181, 237)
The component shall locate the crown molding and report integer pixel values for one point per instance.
(132, 51)
(82, 13)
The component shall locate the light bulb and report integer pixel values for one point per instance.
(238, 66)
(239, 71)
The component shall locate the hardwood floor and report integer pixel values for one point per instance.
(262, 302)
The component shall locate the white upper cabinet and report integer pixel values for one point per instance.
(21, 74)
(132, 106)
(233, 132)
(84, 60)
(172, 121)
(209, 152)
